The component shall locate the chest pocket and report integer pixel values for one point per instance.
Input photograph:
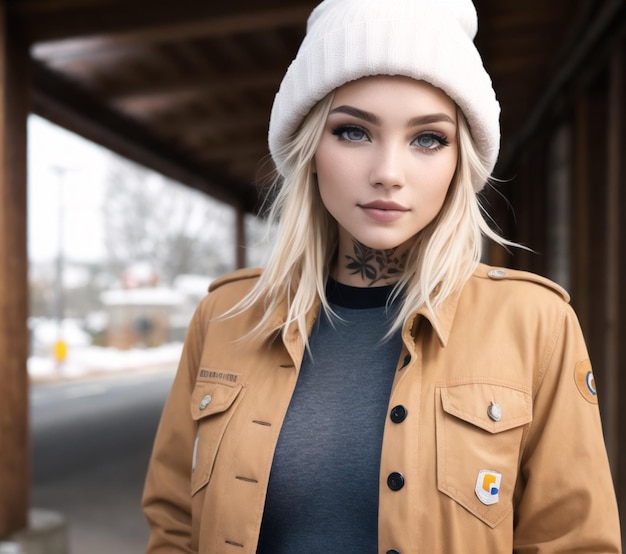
(212, 406)
(479, 429)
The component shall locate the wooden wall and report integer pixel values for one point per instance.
(567, 191)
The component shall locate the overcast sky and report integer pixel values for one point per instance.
(54, 155)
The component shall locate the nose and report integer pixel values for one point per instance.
(388, 167)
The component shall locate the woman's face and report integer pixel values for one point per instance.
(386, 158)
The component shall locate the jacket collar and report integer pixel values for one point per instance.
(442, 318)
(292, 339)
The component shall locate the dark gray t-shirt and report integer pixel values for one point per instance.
(322, 496)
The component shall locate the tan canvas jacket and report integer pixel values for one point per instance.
(501, 450)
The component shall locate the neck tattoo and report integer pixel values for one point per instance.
(375, 265)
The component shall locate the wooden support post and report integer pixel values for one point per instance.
(616, 249)
(240, 238)
(620, 470)
(579, 237)
(14, 435)
(616, 144)
(558, 213)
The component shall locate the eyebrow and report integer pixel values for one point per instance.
(371, 118)
(356, 112)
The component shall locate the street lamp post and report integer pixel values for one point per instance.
(60, 346)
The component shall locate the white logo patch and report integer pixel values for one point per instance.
(488, 486)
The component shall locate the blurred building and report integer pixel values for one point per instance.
(145, 314)
(140, 317)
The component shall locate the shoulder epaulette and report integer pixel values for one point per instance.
(500, 274)
(238, 275)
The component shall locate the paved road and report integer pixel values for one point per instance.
(91, 443)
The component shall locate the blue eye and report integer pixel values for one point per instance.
(350, 133)
(431, 141)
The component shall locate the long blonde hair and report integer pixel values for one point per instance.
(442, 257)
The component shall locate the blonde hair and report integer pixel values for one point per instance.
(442, 257)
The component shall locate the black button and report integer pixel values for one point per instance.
(398, 414)
(407, 360)
(395, 481)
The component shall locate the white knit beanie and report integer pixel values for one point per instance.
(429, 40)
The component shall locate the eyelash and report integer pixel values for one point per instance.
(441, 139)
(341, 131)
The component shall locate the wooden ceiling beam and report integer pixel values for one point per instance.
(193, 85)
(63, 103)
(211, 127)
(253, 150)
(54, 20)
(103, 43)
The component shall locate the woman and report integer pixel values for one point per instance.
(375, 388)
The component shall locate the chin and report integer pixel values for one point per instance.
(377, 244)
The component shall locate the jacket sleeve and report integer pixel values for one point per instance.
(565, 496)
(166, 498)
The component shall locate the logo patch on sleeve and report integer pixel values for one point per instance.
(585, 383)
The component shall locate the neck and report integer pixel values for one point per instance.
(363, 266)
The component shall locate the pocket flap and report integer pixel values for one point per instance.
(212, 398)
(472, 402)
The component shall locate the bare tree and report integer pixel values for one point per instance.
(173, 228)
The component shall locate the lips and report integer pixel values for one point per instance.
(385, 205)
(384, 210)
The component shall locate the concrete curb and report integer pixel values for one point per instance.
(46, 534)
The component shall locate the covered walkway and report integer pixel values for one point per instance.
(185, 88)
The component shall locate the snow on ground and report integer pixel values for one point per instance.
(85, 360)
(82, 358)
